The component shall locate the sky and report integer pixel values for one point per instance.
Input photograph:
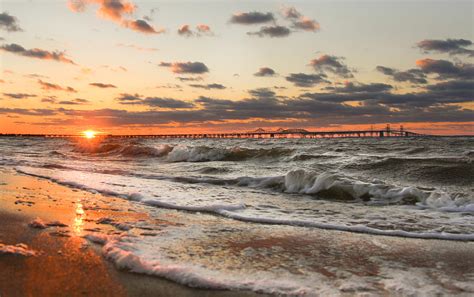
(145, 67)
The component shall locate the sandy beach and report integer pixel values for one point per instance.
(66, 263)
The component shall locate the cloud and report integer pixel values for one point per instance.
(436, 103)
(141, 26)
(265, 72)
(307, 24)
(109, 9)
(251, 18)
(9, 23)
(262, 93)
(154, 101)
(49, 86)
(186, 67)
(443, 68)
(208, 86)
(18, 95)
(149, 17)
(115, 69)
(306, 80)
(125, 98)
(299, 21)
(291, 13)
(144, 49)
(185, 30)
(170, 86)
(350, 87)
(35, 75)
(36, 53)
(449, 46)
(446, 69)
(189, 78)
(117, 11)
(272, 31)
(415, 76)
(103, 86)
(201, 30)
(49, 99)
(453, 85)
(77, 101)
(33, 112)
(433, 95)
(333, 64)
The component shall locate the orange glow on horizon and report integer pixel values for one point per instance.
(89, 134)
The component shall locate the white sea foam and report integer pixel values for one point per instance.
(247, 204)
(350, 228)
(20, 249)
(128, 253)
(38, 224)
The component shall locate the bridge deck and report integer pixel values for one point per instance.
(258, 134)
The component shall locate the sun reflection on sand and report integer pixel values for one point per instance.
(79, 219)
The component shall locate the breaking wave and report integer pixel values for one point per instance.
(126, 150)
(327, 185)
(182, 153)
(334, 186)
(436, 170)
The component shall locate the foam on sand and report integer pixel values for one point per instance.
(20, 249)
(127, 254)
(395, 211)
(38, 224)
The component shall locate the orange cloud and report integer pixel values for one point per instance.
(49, 86)
(116, 11)
(203, 28)
(109, 9)
(141, 26)
(36, 53)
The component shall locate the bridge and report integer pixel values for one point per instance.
(258, 133)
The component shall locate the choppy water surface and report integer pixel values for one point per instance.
(409, 187)
(417, 187)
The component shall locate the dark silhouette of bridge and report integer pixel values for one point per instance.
(261, 133)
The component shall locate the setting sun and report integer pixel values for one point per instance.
(89, 134)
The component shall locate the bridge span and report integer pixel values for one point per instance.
(259, 133)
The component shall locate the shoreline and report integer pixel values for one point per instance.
(69, 264)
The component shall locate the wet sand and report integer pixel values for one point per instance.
(68, 265)
(341, 263)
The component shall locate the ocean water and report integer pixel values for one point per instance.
(405, 187)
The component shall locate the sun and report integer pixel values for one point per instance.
(89, 134)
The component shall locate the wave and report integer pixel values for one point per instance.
(55, 166)
(436, 170)
(181, 153)
(325, 185)
(415, 150)
(335, 186)
(298, 181)
(126, 150)
(214, 170)
(307, 157)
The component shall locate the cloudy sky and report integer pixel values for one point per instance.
(131, 66)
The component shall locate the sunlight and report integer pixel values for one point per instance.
(89, 134)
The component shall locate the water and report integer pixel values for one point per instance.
(406, 187)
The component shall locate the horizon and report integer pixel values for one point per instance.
(184, 67)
